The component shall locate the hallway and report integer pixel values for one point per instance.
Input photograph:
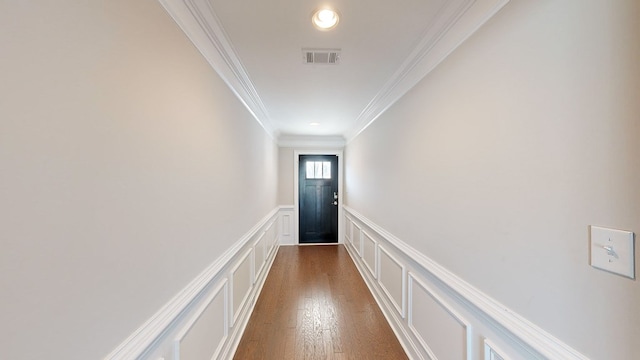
(150, 179)
(315, 305)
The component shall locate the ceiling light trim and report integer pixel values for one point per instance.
(321, 22)
(201, 25)
(432, 49)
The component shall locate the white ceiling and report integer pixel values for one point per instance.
(386, 48)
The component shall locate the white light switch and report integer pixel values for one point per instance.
(613, 251)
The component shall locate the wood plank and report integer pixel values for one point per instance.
(314, 305)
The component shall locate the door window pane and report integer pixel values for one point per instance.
(318, 170)
(310, 169)
(326, 170)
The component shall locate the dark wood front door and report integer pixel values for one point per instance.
(318, 195)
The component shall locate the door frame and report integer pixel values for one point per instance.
(296, 192)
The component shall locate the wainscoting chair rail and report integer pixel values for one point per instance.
(405, 280)
(216, 305)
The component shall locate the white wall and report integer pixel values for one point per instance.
(124, 160)
(285, 176)
(495, 165)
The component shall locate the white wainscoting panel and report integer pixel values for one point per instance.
(356, 240)
(435, 314)
(271, 236)
(207, 318)
(260, 255)
(241, 283)
(286, 225)
(440, 330)
(263, 248)
(392, 280)
(204, 335)
(370, 254)
(492, 352)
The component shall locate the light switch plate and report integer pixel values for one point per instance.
(613, 250)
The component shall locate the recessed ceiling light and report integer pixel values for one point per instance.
(325, 19)
(314, 124)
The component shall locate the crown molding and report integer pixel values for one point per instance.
(201, 25)
(455, 22)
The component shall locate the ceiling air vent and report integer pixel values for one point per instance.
(321, 56)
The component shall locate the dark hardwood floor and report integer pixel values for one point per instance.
(315, 305)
